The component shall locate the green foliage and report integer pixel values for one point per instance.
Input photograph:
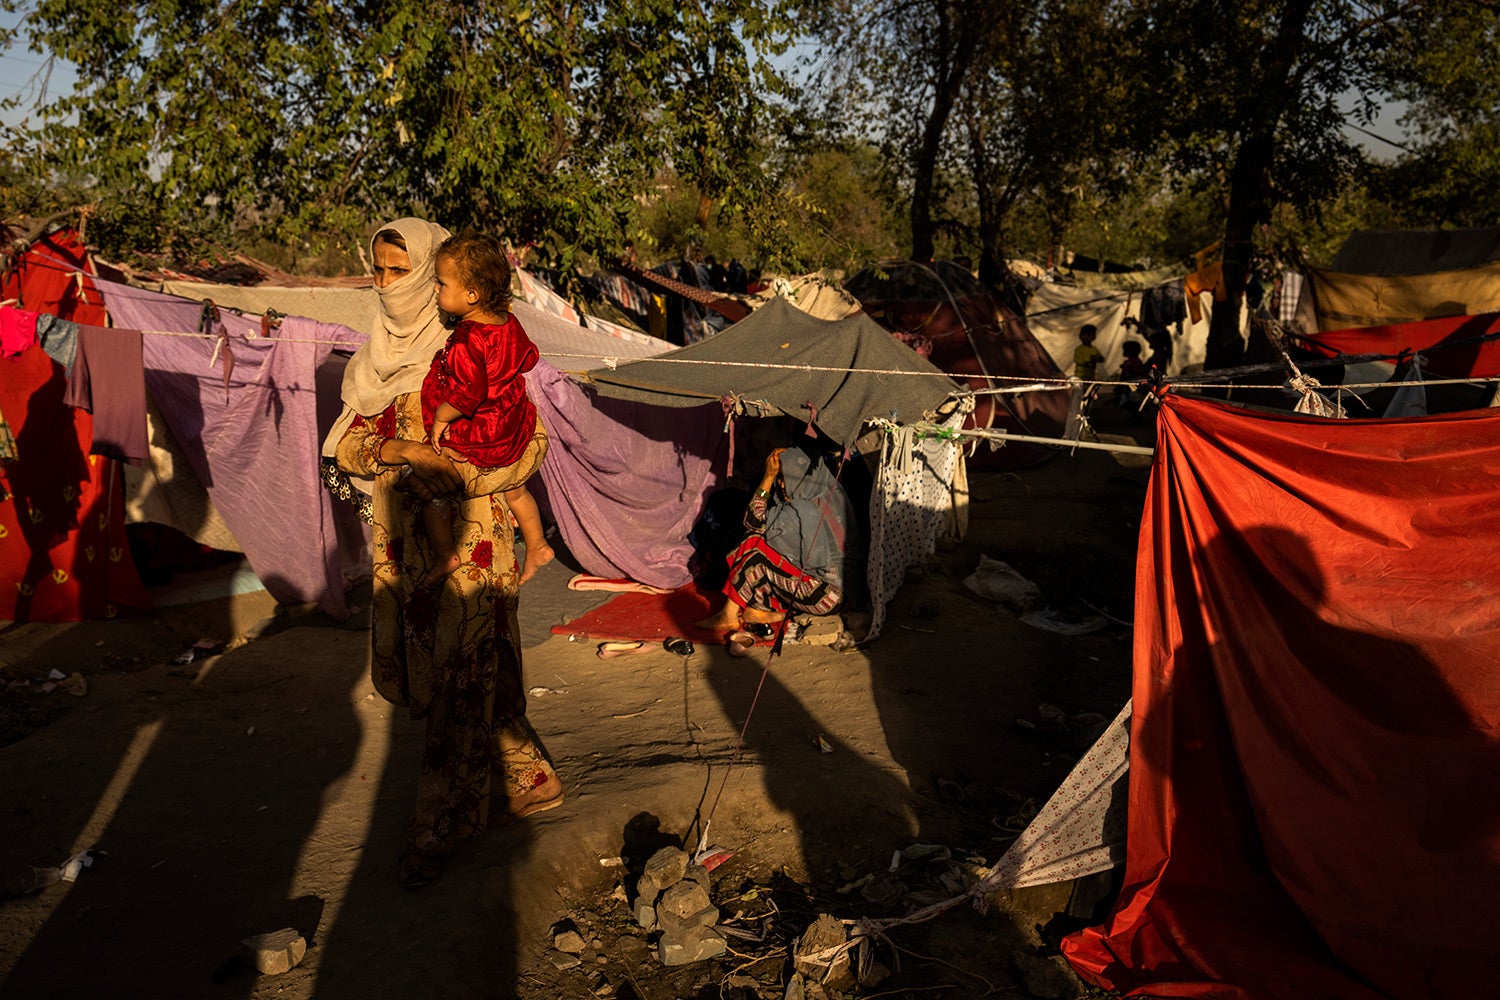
(313, 120)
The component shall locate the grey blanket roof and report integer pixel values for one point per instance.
(781, 334)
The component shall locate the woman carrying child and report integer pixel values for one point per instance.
(451, 653)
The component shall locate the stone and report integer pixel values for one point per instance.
(822, 631)
(569, 941)
(563, 960)
(831, 970)
(1048, 976)
(683, 900)
(696, 945)
(665, 868)
(274, 953)
(671, 923)
(699, 874)
(644, 911)
(632, 950)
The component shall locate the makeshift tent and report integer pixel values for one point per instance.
(63, 550)
(834, 374)
(944, 313)
(1415, 251)
(1055, 313)
(1317, 677)
(1452, 347)
(838, 375)
(1344, 300)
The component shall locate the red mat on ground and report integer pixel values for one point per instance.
(649, 618)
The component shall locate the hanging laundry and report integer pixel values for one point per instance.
(118, 398)
(1208, 279)
(255, 452)
(17, 330)
(63, 551)
(59, 338)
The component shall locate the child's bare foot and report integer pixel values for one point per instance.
(440, 572)
(536, 558)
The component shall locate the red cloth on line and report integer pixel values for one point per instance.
(1470, 360)
(479, 371)
(1313, 758)
(63, 552)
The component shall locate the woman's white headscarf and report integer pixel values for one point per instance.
(408, 333)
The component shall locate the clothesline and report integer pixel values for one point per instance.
(924, 429)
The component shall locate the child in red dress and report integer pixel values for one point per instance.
(474, 397)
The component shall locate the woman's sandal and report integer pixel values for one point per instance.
(739, 643)
(416, 869)
(608, 650)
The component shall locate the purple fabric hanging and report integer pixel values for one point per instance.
(256, 452)
(624, 482)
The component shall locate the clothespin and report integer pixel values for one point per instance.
(83, 295)
(270, 320)
(207, 320)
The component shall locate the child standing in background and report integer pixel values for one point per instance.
(1087, 357)
(474, 398)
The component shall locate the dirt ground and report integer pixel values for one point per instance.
(268, 786)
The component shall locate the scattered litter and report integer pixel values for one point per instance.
(74, 685)
(823, 744)
(541, 692)
(250, 731)
(913, 628)
(183, 658)
(678, 645)
(615, 862)
(712, 856)
(996, 581)
(56, 675)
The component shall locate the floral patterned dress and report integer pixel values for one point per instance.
(450, 653)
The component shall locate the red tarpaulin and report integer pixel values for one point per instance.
(63, 552)
(1314, 768)
(1439, 336)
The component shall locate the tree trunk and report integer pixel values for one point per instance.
(705, 205)
(1249, 184)
(924, 170)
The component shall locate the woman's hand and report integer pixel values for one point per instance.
(773, 470)
(432, 475)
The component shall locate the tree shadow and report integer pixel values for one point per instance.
(202, 796)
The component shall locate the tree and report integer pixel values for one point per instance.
(540, 119)
(1248, 94)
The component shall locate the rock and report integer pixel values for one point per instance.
(822, 631)
(632, 950)
(644, 910)
(666, 867)
(1048, 976)
(671, 923)
(699, 874)
(569, 941)
(831, 970)
(683, 900)
(563, 960)
(695, 945)
(274, 953)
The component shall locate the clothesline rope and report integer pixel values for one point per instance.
(1031, 383)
